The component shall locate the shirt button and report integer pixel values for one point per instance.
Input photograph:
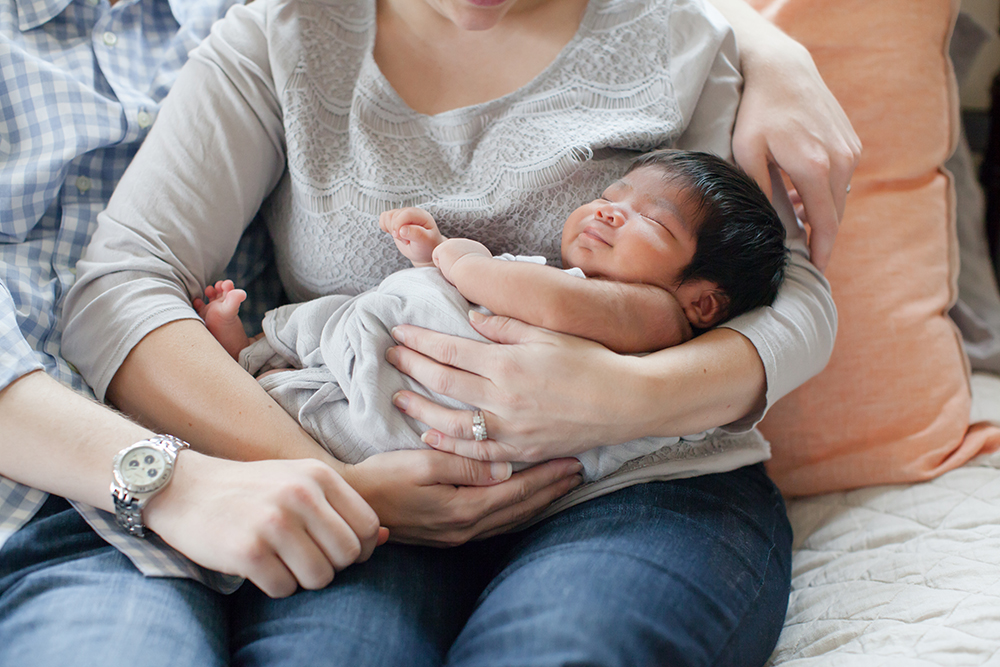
(110, 38)
(144, 118)
(83, 183)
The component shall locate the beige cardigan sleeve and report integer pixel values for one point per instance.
(142, 268)
(794, 337)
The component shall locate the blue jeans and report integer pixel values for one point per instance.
(686, 572)
(69, 598)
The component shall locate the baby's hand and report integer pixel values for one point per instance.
(451, 251)
(414, 232)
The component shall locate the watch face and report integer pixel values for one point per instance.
(143, 468)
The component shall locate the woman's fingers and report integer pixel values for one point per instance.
(445, 371)
(480, 450)
(469, 355)
(753, 156)
(543, 394)
(451, 429)
(459, 368)
(506, 330)
(479, 511)
(438, 499)
(449, 350)
(823, 213)
(511, 516)
(461, 471)
(534, 485)
(788, 116)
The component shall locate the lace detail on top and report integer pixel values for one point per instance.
(506, 172)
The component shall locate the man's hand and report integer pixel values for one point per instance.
(280, 524)
(414, 231)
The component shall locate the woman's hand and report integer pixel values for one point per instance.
(788, 116)
(439, 499)
(544, 394)
(280, 524)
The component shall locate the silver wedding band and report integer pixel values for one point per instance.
(848, 187)
(479, 426)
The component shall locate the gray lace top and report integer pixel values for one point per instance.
(285, 102)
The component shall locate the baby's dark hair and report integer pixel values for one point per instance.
(740, 239)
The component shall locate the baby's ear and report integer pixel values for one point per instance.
(703, 302)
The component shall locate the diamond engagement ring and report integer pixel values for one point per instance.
(479, 426)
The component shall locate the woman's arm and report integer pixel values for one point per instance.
(788, 116)
(625, 318)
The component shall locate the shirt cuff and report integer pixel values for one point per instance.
(17, 358)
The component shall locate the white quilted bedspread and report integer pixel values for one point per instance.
(900, 576)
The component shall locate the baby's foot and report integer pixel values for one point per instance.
(221, 313)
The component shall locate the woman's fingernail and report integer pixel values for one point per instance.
(392, 355)
(398, 335)
(400, 400)
(476, 317)
(430, 438)
(574, 467)
(501, 471)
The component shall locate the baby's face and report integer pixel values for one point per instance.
(639, 231)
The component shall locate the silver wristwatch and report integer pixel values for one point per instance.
(141, 471)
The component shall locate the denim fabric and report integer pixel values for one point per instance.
(67, 597)
(686, 572)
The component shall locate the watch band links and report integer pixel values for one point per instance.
(128, 508)
(128, 514)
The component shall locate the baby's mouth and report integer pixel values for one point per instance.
(592, 233)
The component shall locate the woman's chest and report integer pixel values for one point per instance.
(506, 172)
(435, 65)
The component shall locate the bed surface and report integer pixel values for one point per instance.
(900, 575)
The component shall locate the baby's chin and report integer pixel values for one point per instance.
(580, 258)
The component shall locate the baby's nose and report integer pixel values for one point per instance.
(611, 215)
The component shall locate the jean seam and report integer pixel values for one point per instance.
(760, 587)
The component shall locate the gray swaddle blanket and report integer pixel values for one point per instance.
(340, 387)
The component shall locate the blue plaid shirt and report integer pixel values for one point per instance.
(81, 83)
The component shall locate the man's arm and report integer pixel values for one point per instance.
(626, 318)
(250, 519)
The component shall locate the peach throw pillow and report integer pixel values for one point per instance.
(893, 404)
